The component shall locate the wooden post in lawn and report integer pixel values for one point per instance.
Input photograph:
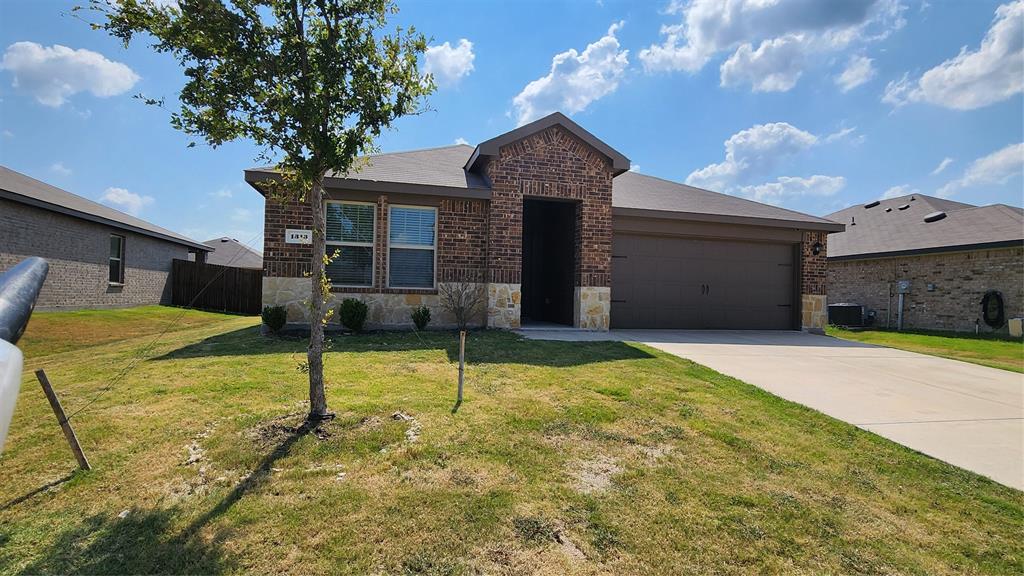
(462, 362)
(69, 432)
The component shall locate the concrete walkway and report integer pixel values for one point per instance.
(968, 415)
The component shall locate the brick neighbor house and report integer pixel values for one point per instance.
(99, 257)
(551, 224)
(948, 256)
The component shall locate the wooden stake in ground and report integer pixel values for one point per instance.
(69, 432)
(462, 362)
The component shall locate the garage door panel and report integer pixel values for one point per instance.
(676, 282)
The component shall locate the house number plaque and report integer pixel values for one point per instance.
(298, 236)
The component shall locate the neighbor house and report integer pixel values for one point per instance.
(552, 225)
(949, 259)
(231, 252)
(99, 257)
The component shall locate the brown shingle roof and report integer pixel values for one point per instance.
(886, 230)
(440, 171)
(633, 191)
(21, 188)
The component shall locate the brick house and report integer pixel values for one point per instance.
(947, 254)
(99, 257)
(551, 224)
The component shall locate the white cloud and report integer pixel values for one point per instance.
(845, 133)
(942, 166)
(634, 167)
(752, 152)
(996, 168)
(222, 193)
(60, 169)
(461, 140)
(897, 191)
(124, 200)
(787, 32)
(972, 79)
(241, 215)
(52, 74)
(858, 71)
(8, 134)
(575, 79)
(788, 187)
(448, 63)
(775, 66)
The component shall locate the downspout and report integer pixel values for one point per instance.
(899, 313)
(888, 307)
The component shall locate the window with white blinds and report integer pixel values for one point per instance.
(350, 233)
(412, 243)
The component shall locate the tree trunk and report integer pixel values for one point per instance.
(314, 354)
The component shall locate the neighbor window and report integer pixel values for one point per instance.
(411, 242)
(350, 227)
(116, 261)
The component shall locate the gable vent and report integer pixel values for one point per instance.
(904, 207)
(872, 204)
(935, 216)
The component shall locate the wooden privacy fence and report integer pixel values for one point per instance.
(217, 288)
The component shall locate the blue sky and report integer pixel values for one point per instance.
(801, 103)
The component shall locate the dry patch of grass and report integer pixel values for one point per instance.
(53, 332)
(565, 458)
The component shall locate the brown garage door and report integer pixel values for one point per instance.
(671, 282)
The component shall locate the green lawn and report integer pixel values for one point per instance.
(984, 350)
(565, 458)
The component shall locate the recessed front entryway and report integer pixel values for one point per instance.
(697, 283)
(549, 260)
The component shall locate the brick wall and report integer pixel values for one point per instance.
(551, 164)
(813, 276)
(960, 280)
(77, 252)
(461, 241)
(281, 259)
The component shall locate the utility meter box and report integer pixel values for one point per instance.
(1016, 327)
(903, 286)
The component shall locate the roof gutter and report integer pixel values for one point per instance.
(934, 250)
(7, 195)
(825, 226)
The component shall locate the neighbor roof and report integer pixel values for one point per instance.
(446, 171)
(20, 188)
(231, 252)
(886, 230)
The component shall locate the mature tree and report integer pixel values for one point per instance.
(312, 82)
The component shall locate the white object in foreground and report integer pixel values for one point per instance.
(10, 382)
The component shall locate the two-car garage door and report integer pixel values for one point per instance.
(677, 282)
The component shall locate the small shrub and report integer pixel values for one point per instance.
(421, 317)
(352, 314)
(274, 317)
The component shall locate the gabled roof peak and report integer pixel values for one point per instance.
(489, 148)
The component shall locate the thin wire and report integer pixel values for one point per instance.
(144, 351)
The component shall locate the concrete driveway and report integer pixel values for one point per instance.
(968, 415)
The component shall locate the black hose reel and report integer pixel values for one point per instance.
(992, 309)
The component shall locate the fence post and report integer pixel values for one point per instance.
(69, 432)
